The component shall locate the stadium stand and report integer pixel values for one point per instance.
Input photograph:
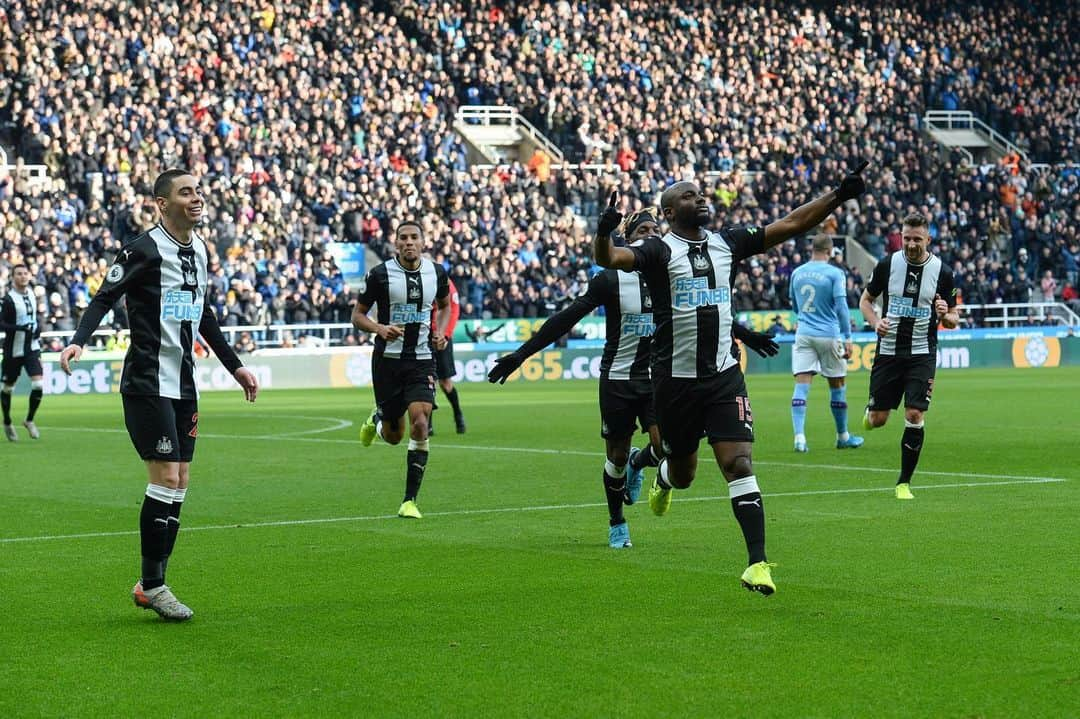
(319, 121)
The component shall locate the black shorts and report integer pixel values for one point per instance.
(716, 408)
(444, 362)
(910, 378)
(12, 366)
(162, 428)
(624, 404)
(400, 382)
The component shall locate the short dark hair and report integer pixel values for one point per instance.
(163, 183)
(821, 243)
(22, 265)
(915, 220)
(408, 223)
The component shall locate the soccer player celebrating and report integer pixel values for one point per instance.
(22, 350)
(402, 365)
(444, 363)
(697, 384)
(822, 340)
(916, 291)
(163, 274)
(625, 390)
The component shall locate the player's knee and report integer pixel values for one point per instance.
(36, 384)
(618, 456)
(447, 385)
(737, 466)
(913, 416)
(7, 388)
(167, 474)
(418, 426)
(878, 419)
(678, 474)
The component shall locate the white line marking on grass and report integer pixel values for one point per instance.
(582, 453)
(338, 423)
(505, 510)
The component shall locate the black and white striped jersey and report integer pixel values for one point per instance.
(404, 298)
(627, 316)
(690, 283)
(164, 283)
(19, 309)
(907, 295)
(629, 323)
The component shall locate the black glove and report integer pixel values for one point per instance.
(852, 185)
(504, 367)
(760, 342)
(611, 218)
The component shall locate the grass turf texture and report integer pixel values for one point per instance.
(963, 602)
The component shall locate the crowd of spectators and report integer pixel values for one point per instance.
(319, 120)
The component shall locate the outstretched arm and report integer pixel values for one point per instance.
(556, 326)
(810, 215)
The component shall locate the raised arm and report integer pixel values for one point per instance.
(810, 215)
(605, 252)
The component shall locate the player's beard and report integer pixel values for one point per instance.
(698, 219)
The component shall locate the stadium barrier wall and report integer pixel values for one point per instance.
(348, 367)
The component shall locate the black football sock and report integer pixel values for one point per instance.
(645, 458)
(910, 447)
(154, 534)
(416, 458)
(614, 489)
(174, 524)
(455, 404)
(5, 404)
(750, 512)
(35, 402)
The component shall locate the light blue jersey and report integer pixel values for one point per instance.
(819, 298)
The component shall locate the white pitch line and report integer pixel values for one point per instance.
(581, 453)
(338, 423)
(505, 510)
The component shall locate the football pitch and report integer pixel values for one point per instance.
(312, 599)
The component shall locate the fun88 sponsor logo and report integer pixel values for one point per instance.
(639, 325)
(180, 306)
(693, 292)
(903, 307)
(407, 314)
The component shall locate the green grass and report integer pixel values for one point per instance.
(963, 603)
